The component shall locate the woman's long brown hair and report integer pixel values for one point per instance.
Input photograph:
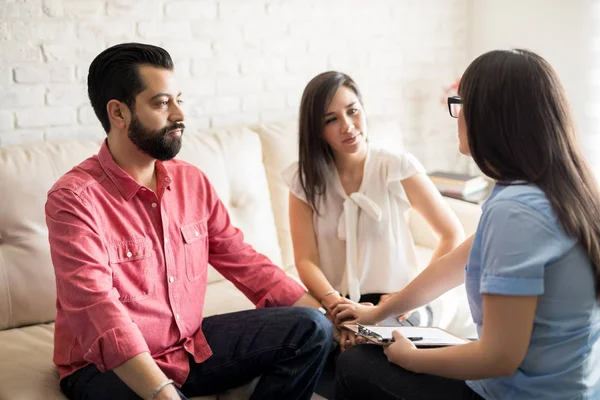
(519, 127)
(316, 156)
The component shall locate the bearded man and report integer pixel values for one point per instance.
(132, 231)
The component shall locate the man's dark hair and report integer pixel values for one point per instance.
(114, 74)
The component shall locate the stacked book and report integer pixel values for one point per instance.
(458, 185)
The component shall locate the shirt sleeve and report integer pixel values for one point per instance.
(517, 243)
(261, 281)
(400, 167)
(84, 285)
(291, 177)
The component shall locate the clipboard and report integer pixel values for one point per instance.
(421, 336)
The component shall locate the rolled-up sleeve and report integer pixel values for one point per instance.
(262, 282)
(517, 243)
(85, 291)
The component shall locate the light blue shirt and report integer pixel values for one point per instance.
(520, 249)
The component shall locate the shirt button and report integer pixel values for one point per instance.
(177, 317)
(129, 254)
(144, 189)
(196, 233)
(153, 205)
(166, 240)
(171, 279)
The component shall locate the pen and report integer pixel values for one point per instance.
(415, 338)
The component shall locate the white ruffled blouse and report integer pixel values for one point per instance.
(365, 245)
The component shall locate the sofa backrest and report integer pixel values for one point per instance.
(231, 158)
(27, 286)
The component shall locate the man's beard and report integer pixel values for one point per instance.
(159, 144)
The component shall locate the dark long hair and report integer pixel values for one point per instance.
(114, 74)
(316, 156)
(519, 127)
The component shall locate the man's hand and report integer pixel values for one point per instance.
(337, 333)
(400, 351)
(365, 314)
(349, 339)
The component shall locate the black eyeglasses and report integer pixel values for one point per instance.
(454, 104)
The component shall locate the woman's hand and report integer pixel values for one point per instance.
(345, 338)
(401, 318)
(345, 311)
(400, 351)
(330, 301)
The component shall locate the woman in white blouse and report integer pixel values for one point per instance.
(348, 202)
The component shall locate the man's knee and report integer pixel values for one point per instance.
(316, 323)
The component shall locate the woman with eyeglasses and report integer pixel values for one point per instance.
(532, 268)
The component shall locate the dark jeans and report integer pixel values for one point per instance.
(285, 346)
(363, 372)
(325, 387)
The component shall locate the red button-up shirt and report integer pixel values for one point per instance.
(131, 265)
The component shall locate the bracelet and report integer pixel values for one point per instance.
(331, 292)
(161, 387)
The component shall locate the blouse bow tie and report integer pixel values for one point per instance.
(347, 230)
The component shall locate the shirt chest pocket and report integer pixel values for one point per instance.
(195, 248)
(133, 269)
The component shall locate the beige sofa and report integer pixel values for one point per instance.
(243, 163)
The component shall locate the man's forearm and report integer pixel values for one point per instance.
(142, 375)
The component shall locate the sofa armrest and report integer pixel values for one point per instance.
(468, 215)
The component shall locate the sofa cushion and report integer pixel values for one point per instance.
(467, 213)
(27, 371)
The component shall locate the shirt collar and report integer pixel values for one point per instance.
(122, 180)
(500, 186)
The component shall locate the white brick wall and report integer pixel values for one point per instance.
(591, 126)
(567, 34)
(241, 61)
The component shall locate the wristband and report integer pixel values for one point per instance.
(161, 387)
